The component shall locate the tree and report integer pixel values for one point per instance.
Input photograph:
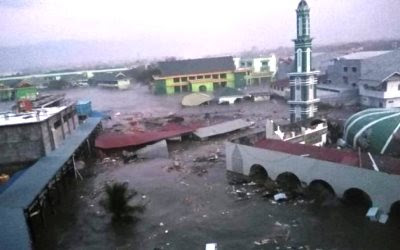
(117, 201)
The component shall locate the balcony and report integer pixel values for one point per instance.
(379, 94)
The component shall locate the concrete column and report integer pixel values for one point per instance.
(51, 135)
(62, 125)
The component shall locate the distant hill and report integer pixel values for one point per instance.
(342, 47)
(58, 55)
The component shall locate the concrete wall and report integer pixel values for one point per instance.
(381, 187)
(20, 144)
(336, 72)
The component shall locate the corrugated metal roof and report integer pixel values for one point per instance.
(121, 140)
(222, 128)
(196, 66)
(381, 67)
(386, 164)
(363, 55)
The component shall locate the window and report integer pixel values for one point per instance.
(329, 81)
(308, 60)
(242, 64)
(354, 69)
(207, 76)
(299, 60)
(57, 124)
(192, 77)
(184, 79)
(354, 85)
(398, 87)
(223, 84)
(223, 76)
(345, 80)
(345, 69)
(176, 79)
(215, 76)
(216, 85)
(390, 101)
(185, 88)
(200, 77)
(264, 63)
(249, 64)
(177, 89)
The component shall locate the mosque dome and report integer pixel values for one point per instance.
(377, 130)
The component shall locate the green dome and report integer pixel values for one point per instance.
(375, 128)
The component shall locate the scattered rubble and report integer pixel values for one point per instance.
(156, 150)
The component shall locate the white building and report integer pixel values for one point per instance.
(382, 94)
(260, 70)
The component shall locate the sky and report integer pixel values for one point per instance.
(192, 28)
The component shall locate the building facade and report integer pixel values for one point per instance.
(384, 94)
(24, 138)
(259, 70)
(303, 95)
(197, 75)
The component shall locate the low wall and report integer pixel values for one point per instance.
(381, 187)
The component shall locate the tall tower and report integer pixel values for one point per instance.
(303, 92)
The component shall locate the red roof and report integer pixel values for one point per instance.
(113, 140)
(351, 158)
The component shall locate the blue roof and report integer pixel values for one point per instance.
(31, 183)
(14, 233)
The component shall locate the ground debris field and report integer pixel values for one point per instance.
(190, 199)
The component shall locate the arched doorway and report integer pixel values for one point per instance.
(203, 88)
(357, 199)
(321, 191)
(258, 174)
(288, 181)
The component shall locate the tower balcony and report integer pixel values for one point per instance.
(310, 73)
(299, 102)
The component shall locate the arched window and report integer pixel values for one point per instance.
(308, 60)
(300, 27)
(299, 60)
(307, 27)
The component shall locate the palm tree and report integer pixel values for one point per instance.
(117, 201)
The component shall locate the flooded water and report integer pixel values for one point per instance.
(185, 210)
(194, 204)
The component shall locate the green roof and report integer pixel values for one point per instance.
(378, 126)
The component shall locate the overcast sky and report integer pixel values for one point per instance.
(194, 27)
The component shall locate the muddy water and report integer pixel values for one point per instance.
(190, 206)
(186, 210)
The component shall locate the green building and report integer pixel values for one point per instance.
(197, 75)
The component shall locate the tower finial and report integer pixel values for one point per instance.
(303, 5)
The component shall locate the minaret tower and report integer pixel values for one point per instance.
(303, 92)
